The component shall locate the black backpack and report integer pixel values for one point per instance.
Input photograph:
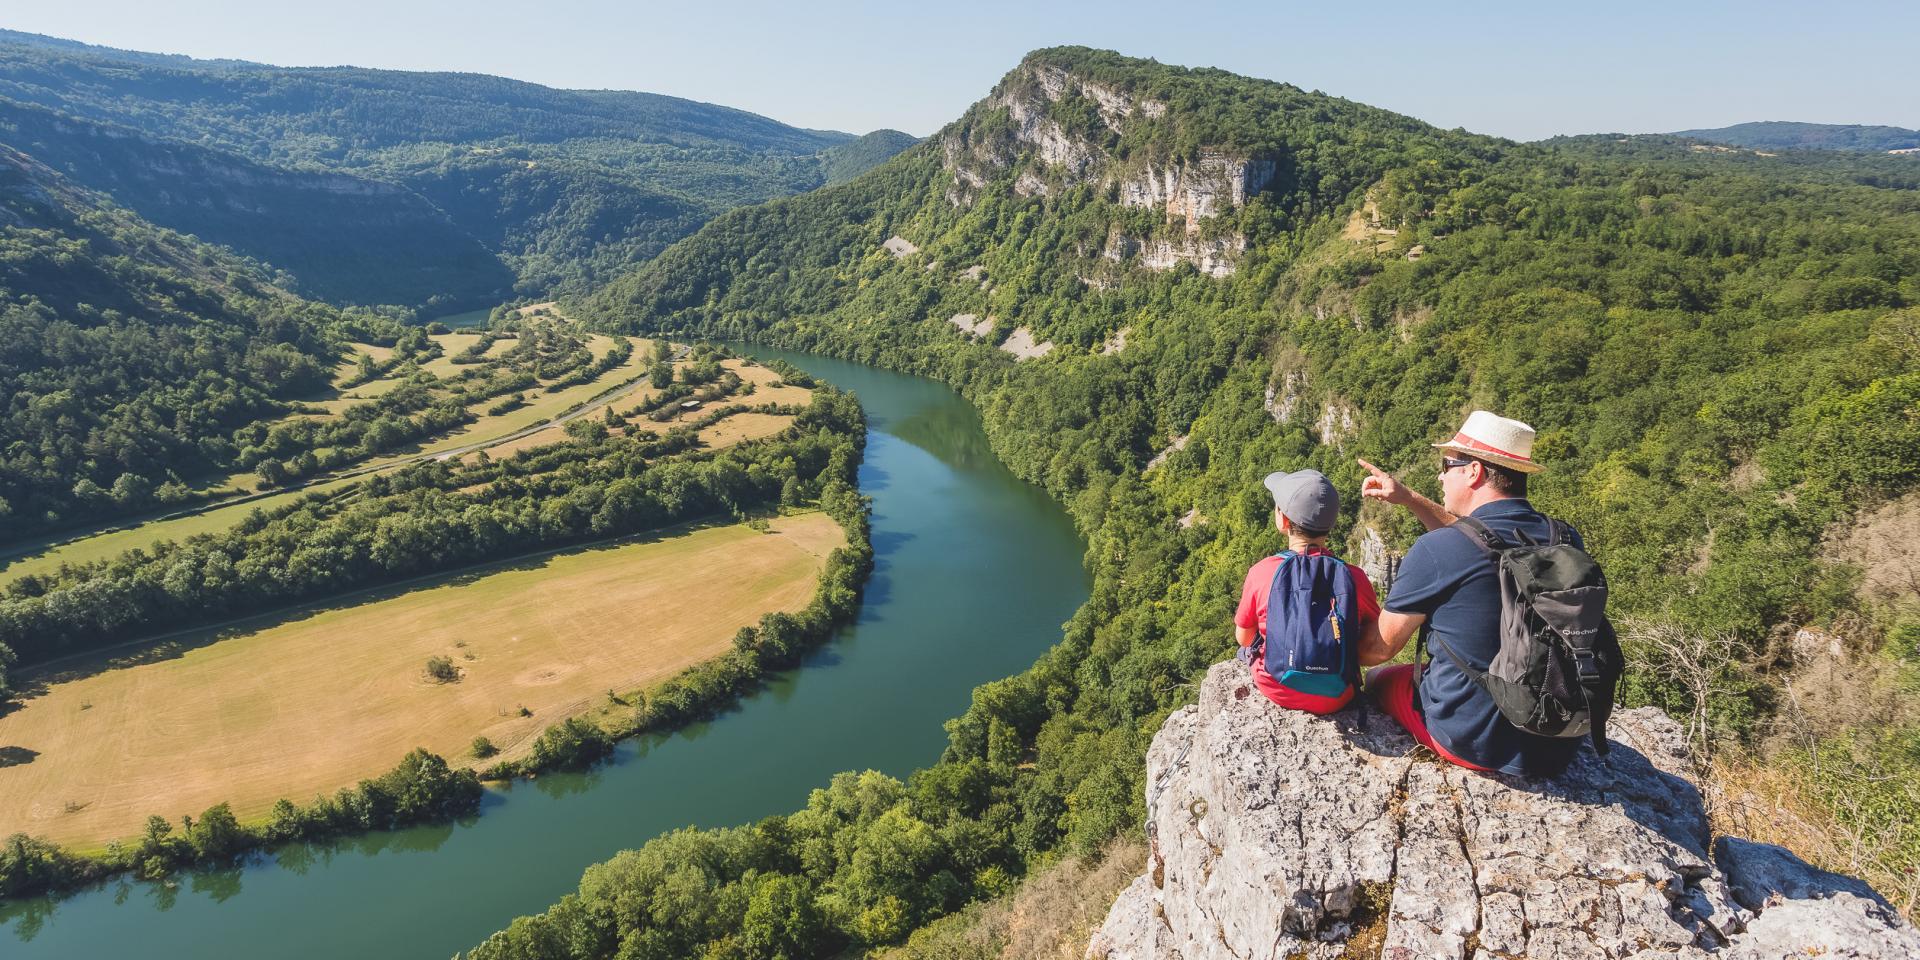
(1559, 662)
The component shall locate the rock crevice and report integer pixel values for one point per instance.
(1276, 834)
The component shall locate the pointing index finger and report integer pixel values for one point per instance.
(1376, 471)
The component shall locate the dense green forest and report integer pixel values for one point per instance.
(130, 354)
(1786, 135)
(844, 161)
(1719, 351)
(562, 189)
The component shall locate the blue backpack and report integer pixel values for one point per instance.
(1314, 644)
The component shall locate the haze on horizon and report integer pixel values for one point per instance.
(1519, 70)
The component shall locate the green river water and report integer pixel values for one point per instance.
(975, 572)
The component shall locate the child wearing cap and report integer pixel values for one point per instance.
(1305, 505)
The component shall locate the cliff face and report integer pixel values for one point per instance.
(1187, 192)
(1276, 834)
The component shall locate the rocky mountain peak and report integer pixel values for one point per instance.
(1277, 834)
(1060, 131)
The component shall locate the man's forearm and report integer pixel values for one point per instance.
(1432, 515)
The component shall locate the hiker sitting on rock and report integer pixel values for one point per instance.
(1303, 612)
(1512, 694)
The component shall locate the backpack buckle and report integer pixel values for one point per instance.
(1587, 663)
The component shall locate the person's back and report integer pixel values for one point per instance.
(1450, 580)
(1448, 590)
(1305, 507)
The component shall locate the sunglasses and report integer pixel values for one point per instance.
(1448, 463)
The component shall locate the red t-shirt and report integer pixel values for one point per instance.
(1252, 614)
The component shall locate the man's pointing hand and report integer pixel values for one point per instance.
(1382, 486)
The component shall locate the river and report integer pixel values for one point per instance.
(974, 573)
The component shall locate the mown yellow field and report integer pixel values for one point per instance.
(760, 377)
(451, 345)
(742, 427)
(317, 703)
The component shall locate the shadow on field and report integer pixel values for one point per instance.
(36, 680)
(16, 756)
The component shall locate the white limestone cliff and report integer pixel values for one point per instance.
(1276, 834)
(1188, 192)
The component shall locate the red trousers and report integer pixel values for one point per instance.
(1392, 690)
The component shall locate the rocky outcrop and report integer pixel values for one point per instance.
(971, 324)
(1214, 184)
(1277, 834)
(1188, 192)
(1179, 443)
(1283, 399)
(1378, 560)
(1023, 346)
(1338, 421)
(1215, 257)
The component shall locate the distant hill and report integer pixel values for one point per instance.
(563, 187)
(1786, 135)
(844, 161)
(352, 114)
(403, 249)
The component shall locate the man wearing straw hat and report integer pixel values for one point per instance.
(1447, 587)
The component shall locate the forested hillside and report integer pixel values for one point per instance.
(1158, 284)
(844, 161)
(565, 187)
(129, 354)
(353, 239)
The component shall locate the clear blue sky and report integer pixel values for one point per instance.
(1522, 70)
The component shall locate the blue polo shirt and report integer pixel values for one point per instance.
(1453, 583)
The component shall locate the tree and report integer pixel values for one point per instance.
(569, 744)
(586, 430)
(660, 375)
(782, 921)
(30, 864)
(131, 490)
(217, 837)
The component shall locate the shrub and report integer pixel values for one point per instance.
(442, 670)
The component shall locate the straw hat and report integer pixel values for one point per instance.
(1508, 443)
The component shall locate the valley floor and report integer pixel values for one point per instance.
(314, 702)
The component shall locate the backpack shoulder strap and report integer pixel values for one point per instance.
(1490, 545)
(1260, 634)
(1479, 677)
(1559, 533)
(1479, 534)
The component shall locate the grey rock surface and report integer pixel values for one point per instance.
(1275, 834)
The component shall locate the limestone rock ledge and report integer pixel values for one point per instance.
(1274, 834)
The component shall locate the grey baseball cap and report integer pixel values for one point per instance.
(1307, 498)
